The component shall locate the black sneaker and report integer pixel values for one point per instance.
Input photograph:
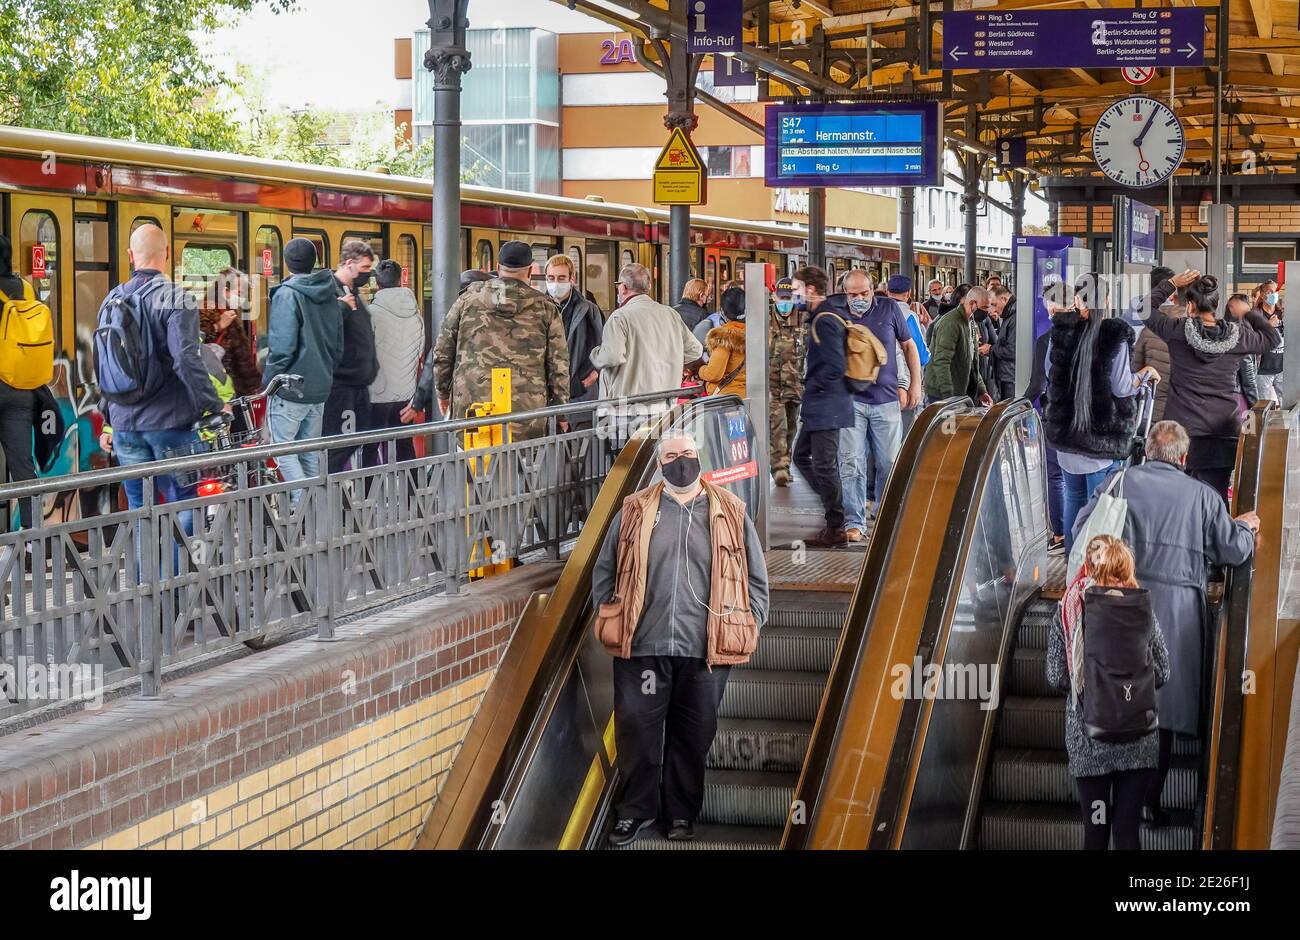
(681, 830)
(625, 831)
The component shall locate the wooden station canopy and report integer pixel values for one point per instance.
(845, 49)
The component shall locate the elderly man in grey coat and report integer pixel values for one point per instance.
(1177, 527)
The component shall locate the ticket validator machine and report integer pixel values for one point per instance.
(1041, 260)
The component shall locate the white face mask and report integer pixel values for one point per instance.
(559, 289)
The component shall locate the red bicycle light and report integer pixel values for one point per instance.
(211, 488)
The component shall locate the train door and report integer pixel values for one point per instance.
(404, 247)
(598, 274)
(483, 254)
(41, 229)
(268, 233)
(205, 242)
(132, 215)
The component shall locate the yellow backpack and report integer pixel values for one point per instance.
(26, 341)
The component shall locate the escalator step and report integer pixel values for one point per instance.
(1043, 776)
(800, 649)
(1032, 634)
(1060, 827)
(711, 838)
(750, 744)
(769, 693)
(803, 609)
(1032, 722)
(1029, 673)
(1039, 722)
(748, 797)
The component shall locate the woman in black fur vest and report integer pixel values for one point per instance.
(1206, 348)
(1089, 413)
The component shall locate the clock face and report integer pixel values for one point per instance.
(1138, 142)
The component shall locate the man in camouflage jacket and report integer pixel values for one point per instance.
(500, 323)
(788, 339)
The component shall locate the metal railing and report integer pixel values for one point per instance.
(131, 593)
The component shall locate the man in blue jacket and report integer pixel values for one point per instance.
(305, 338)
(827, 404)
(148, 430)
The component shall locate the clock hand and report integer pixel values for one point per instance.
(1142, 136)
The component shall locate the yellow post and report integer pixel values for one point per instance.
(489, 435)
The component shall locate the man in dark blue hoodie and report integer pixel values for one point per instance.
(164, 422)
(305, 338)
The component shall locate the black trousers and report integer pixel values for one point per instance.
(1007, 391)
(1156, 786)
(387, 415)
(817, 458)
(17, 415)
(665, 717)
(1112, 806)
(347, 411)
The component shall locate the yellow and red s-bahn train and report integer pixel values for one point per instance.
(69, 205)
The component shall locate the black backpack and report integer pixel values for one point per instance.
(1119, 676)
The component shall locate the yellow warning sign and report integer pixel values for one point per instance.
(680, 178)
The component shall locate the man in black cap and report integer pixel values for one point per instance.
(788, 339)
(305, 338)
(502, 322)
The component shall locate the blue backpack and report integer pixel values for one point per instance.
(126, 362)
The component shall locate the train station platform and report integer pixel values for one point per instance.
(412, 642)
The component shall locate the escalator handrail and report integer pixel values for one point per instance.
(1221, 760)
(826, 730)
(909, 741)
(463, 812)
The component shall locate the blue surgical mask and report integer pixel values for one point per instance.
(784, 307)
(1271, 298)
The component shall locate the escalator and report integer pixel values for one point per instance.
(538, 767)
(952, 769)
(846, 729)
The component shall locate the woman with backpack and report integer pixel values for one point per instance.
(1106, 650)
(724, 373)
(1089, 412)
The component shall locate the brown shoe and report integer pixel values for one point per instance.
(853, 535)
(829, 538)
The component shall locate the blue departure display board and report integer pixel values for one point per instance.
(875, 144)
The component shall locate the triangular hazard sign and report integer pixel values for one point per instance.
(679, 154)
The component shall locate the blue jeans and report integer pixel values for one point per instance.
(1078, 490)
(133, 448)
(292, 421)
(1055, 491)
(867, 454)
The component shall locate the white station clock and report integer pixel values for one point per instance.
(1138, 142)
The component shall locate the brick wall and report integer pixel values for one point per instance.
(339, 744)
(1073, 219)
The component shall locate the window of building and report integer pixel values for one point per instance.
(1263, 257)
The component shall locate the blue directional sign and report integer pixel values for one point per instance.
(715, 26)
(876, 144)
(1058, 39)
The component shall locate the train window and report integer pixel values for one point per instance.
(484, 258)
(322, 243)
(724, 273)
(406, 255)
(596, 274)
(268, 267)
(40, 230)
(575, 255)
(91, 272)
(628, 258)
(200, 265)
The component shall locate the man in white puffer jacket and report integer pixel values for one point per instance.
(399, 345)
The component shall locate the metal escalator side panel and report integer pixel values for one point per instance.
(997, 556)
(853, 736)
(1273, 633)
(463, 810)
(1223, 753)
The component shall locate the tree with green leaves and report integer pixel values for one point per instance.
(126, 69)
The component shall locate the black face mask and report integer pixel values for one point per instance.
(361, 280)
(682, 472)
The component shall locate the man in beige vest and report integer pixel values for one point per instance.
(680, 590)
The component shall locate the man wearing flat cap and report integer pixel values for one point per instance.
(503, 322)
